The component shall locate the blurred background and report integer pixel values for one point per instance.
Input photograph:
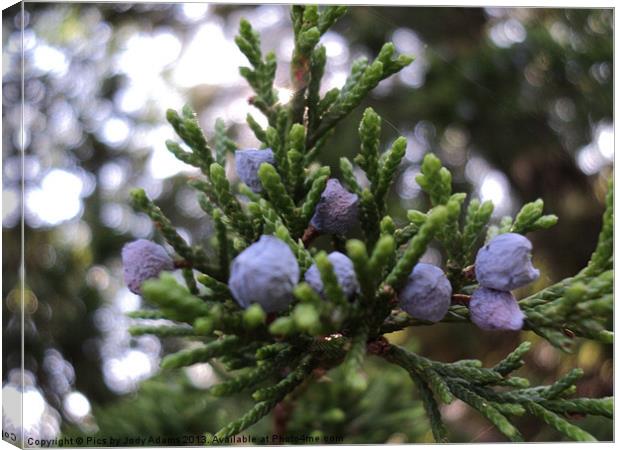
(516, 102)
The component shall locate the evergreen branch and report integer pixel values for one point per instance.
(509, 409)
(218, 288)
(276, 142)
(416, 248)
(295, 158)
(404, 234)
(348, 177)
(388, 169)
(387, 226)
(222, 240)
(317, 69)
(190, 281)
(369, 217)
(201, 354)
(146, 314)
(276, 191)
(306, 319)
(258, 131)
(561, 385)
(142, 203)
(476, 219)
(188, 129)
(358, 254)
(304, 258)
(568, 429)
(487, 410)
(382, 258)
(174, 300)
(359, 84)
(227, 201)
(368, 157)
(315, 331)
(602, 258)
(330, 282)
(287, 384)
(530, 218)
(327, 101)
(313, 196)
(253, 376)
(435, 180)
(355, 357)
(329, 16)
(222, 143)
(450, 234)
(513, 361)
(593, 406)
(258, 411)
(272, 350)
(432, 410)
(161, 330)
(262, 77)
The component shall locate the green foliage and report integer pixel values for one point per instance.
(279, 355)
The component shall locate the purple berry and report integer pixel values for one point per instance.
(505, 263)
(265, 273)
(143, 259)
(491, 309)
(345, 273)
(336, 211)
(427, 294)
(248, 163)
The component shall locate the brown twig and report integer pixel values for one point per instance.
(310, 234)
(182, 264)
(461, 299)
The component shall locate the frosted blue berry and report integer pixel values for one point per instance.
(265, 273)
(427, 294)
(248, 163)
(143, 259)
(505, 263)
(491, 309)
(336, 211)
(345, 274)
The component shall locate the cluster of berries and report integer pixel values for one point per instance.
(267, 271)
(503, 264)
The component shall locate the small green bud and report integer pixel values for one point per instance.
(357, 382)
(416, 217)
(437, 216)
(282, 326)
(334, 415)
(387, 225)
(545, 222)
(575, 292)
(445, 176)
(306, 318)
(204, 325)
(356, 250)
(254, 316)
(239, 244)
(430, 164)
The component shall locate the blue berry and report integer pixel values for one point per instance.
(345, 273)
(248, 162)
(265, 273)
(427, 294)
(505, 263)
(491, 309)
(336, 211)
(143, 259)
